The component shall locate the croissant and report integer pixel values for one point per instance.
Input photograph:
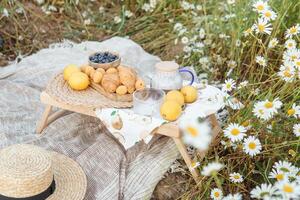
(110, 82)
(127, 76)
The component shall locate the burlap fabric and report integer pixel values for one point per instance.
(112, 172)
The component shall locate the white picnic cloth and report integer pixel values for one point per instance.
(137, 127)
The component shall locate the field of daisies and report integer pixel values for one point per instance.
(247, 48)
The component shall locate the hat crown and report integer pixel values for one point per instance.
(25, 171)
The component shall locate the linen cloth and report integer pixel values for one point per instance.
(112, 172)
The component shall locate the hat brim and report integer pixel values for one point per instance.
(70, 179)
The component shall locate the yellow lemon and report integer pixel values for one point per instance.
(170, 110)
(175, 95)
(190, 94)
(69, 70)
(79, 81)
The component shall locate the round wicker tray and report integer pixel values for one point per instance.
(59, 89)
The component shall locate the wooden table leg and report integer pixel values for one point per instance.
(43, 123)
(187, 159)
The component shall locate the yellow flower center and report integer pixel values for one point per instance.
(298, 63)
(236, 176)
(235, 131)
(192, 131)
(261, 27)
(193, 164)
(217, 194)
(268, 14)
(288, 189)
(293, 57)
(246, 123)
(291, 112)
(290, 44)
(293, 30)
(252, 145)
(260, 7)
(228, 85)
(279, 177)
(269, 104)
(287, 73)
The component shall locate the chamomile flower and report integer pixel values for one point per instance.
(268, 14)
(264, 192)
(262, 26)
(231, 64)
(195, 133)
(288, 190)
(216, 194)
(294, 30)
(261, 61)
(290, 44)
(211, 168)
(184, 40)
(236, 177)
(287, 75)
(229, 85)
(286, 167)
(252, 146)
(297, 63)
(117, 19)
(194, 165)
(235, 132)
(291, 55)
(266, 109)
(277, 174)
(273, 42)
(236, 196)
(294, 111)
(296, 130)
(232, 102)
(260, 6)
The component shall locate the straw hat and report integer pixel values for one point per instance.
(30, 172)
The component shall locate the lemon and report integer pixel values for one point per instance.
(175, 95)
(170, 110)
(79, 81)
(69, 70)
(190, 94)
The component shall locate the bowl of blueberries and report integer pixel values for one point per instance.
(104, 59)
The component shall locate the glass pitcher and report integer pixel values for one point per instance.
(167, 76)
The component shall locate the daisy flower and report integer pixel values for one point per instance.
(261, 61)
(288, 190)
(287, 75)
(184, 40)
(294, 30)
(229, 85)
(264, 191)
(290, 44)
(194, 165)
(266, 109)
(211, 168)
(296, 130)
(252, 146)
(262, 26)
(236, 177)
(235, 132)
(231, 64)
(273, 42)
(297, 63)
(236, 196)
(268, 15)
(117, 19)
(286, 167)
(294, 111)
(260, 6)
(216, 194)
(195, 133)
(277, 174)
(232, 102)
(291, 55)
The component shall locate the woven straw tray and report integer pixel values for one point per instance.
(59, 89)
